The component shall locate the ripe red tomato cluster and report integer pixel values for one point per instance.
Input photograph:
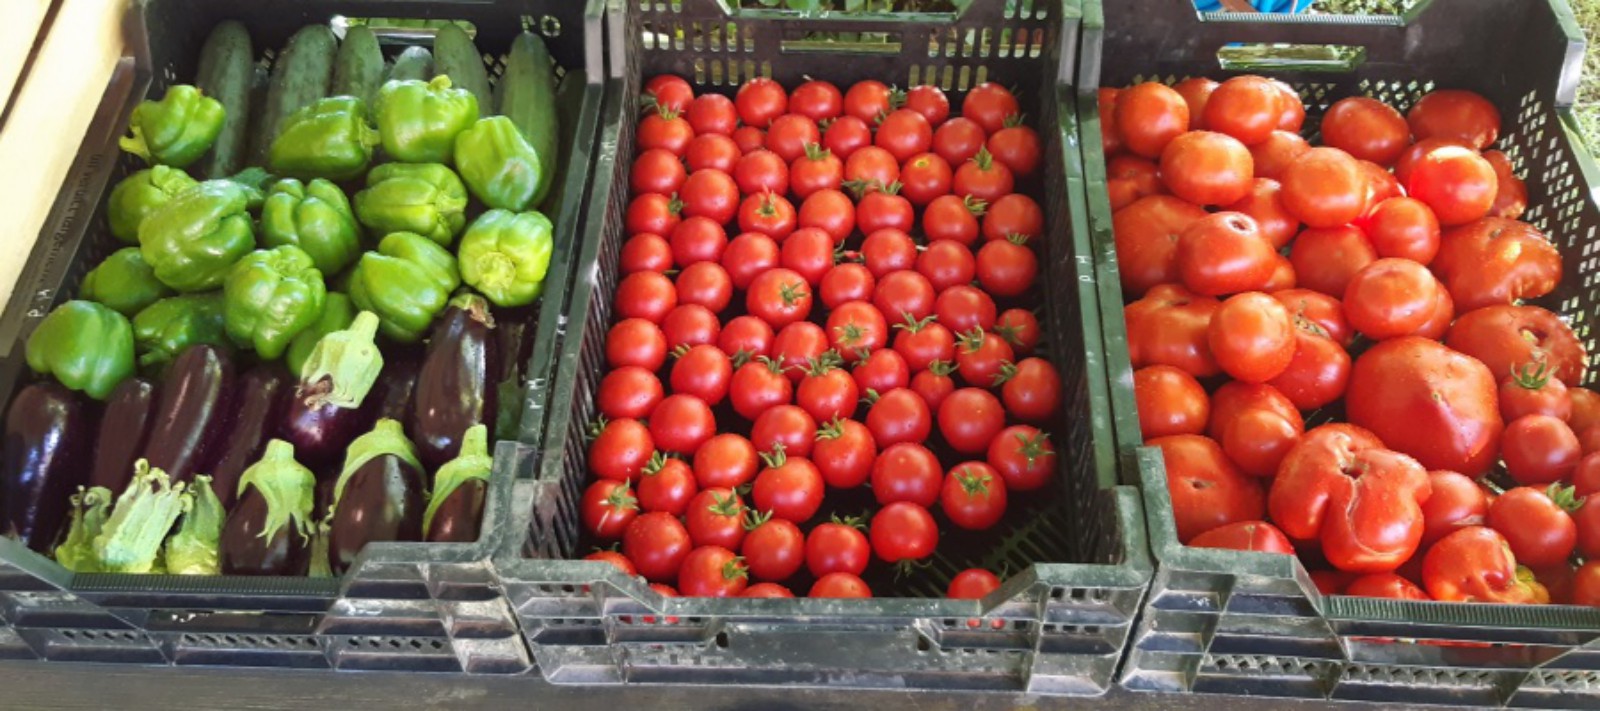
(816, 295)
(1384, 273)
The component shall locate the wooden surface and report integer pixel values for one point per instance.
(49, 117)
(20, 22)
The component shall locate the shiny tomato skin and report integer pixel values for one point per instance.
(690, 325)
(903, 531)
(703, 371)
(1258, 536)
(621, 450)
(747, 256)
(904, 133)
(1018, 148)
(748, 334)
(607, 509)
(1264, 204)
(898, 416)
(818, 169)
(1170, 402)
(667, 485)
(1497, 261)
(882, 370)
(1320, 310)
(839, 585)
(1402, 227)
(1541, 533)
(712, 571)
(1532, 390)
(1252, 337)
(1196, 93)
(657, 170)
(712, 114)
(1474, 564)
(760, 100)
(1318, 374)
(681, 423)
(712, 151)
(962, 308)
(629, 392)
(1456, 183)
(1511, 193)
(726, 460)
(904, 292)
(844, 453)
(1385, 585)
(1247, 108)
(906, 471)
(1258, 440)
(1013, 215)
(1326, 259)
(1129, 178)
(1390, 297)
(972, 584)
(1023, 456)
(758, 385)
(830, 211)
(991, 105)
(1148, 116)
(973, 496)
(1207, 168)
(1457, 115)
(788, 426)
(1507, 338)
(1234, 399)
(1539, 449)
(1457, 501)
(930, 101)
(837, 548)
(645, 252)
(819, 100)
(656, 544)
(846, 135)
(774, 550)
(844, 283)
(828, 394)
(636, 341)
(1018, 327)
(946, 263)
(1207, 490)
(970, 418)
(712, 194)
(798, 344)
(1273, 156)
(854, 327)
(958, 140)
(749, 139)
(1366, 128)
(792, 490)
(654, 214)
(1147, 234)
(779, 297)
(1006, 268)
(1032, 390)
(924, 177)
(888, 250)
(1224, 253)
(1427, 401)
(866, 100)
(1325, 188)
(953, 218)
(790, 134)
(1168, 327)
(809, 252)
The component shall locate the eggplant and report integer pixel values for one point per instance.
(391, 397)
(193, 413)
(43, 461)
(124, 427)
(455, 512)
(268, 532)
(263, 397)
(326, 412)
(457, 386)
(379, 496)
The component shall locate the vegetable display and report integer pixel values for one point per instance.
(264, 328)
(782, 349)
(1381, 286)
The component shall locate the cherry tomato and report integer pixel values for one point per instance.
(1273, 156)
(906, 471)
(830, 211)
(689, 325)
(607, 509)
(818, 169)
(746, 334)
(789, 488)
(788, 426)
(1013, 215)
(668, 91)
(1207, 490)
(856, 327)
(758, 385)
(1032, 390)
(620, 450)
(844, 453)
(716, 518)
(681, 423)
(1540, 530)
(990, 105)
(1366, 128)
(656, 544)
(922, 342)
(1147, 234)
(703, 371)
(1169, 401)
(712, 194)
(1325, 187)
(667, 485)
(839, 585)
(725, 461)
(962, 308)
(1148, 116)
(663, 129)
(790, 134)
(1539, 449)
(904, 133)
(973, 496)
(867, 99)
(980, 356)
(798, 344)
(657, 171)
(616, 560)
(983, 178)
(846, 135)
(760, 172)
(1586, 585)
(635, 341)
(903, 531)
(1016, 146)
(779, 297)
(1007, 267)
(925, 177)
(882, 370)
(774, 550)
(712, 571)
(1023, 456)
(1129, 178)
(934, 384)
(653, 214)
(929, 101)
(629, 392)
(809, 252)
(946, 263)
(747, 256)
(1224, 253)
(958, 140)
(1018, 327)
(760, 100)
(1258, 536)
(712, 114)
(899, 416)
(880, 210)
(845, 283)
(1207, 168)
(1390, 298)
(972, 584)
(888, 250)
(1456, 115)
(835, 547)
(817, 99)
(749, 138)
(1456, 183)
(970, 418)
(645, 253)
(1326, 259)
(871, 168)
(953, 218)
(903, 292)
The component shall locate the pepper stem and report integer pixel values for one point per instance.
(348, 360)
(288, 487)
(473, 463)
(193, 550)
(90, 508)
(143, 515)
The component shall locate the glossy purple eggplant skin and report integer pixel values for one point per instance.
(263, 395)
(244, 551)
(460, 518)
(458, 384)
(321, 432)
(391, 396)
(124, 428)
(382, 501)
(193, 413)
(43, 460)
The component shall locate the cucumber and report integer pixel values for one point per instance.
(358, 68)
(455, 56)
(528, 98)
(301, 75)
(414, 63)
(227, 64)
(569, 101)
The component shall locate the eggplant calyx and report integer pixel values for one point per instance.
(90, 509)
(386, 437)
(343, 366)
(194, 549)
(287, 486)
(144, 513)
(477, 307)
(472, 464)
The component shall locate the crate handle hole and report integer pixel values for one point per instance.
(1331, 58)
(722, 640)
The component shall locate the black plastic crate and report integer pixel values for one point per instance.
(1253, 623)
(402, 606)
(1054, 627)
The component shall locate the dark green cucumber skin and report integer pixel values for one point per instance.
(358, 68)
(528, 98)
(455, 56)
(414, 63)
(302, 74)
(227, 66)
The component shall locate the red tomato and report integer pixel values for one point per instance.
(1410, 391)
(607, 509)
(836, 547)
(1540, 530)
(774, 550)
(845, 283)
(790, 134)
(663, 129)
(758, 385)
(1224, 253)
(973, 496)
(1032, 390)
(934, 384)
(616, 560)
(657, 171)
(844, 453)
(970, 418)
(856, 327)
(1381, 184)
(1258, 536)
(1007, 268)
(1474, 564)
(761, 171)
(1196, 93)
(1319, 372)
(1264, 204)
(867, 99)
(1168, 327)
(789, 488)
(629, 392)
(747, 256)
(1150, 115)
(958, 140)
(1207, 168)
(983, 178)
(667, 485)
(620, 450)
(1390, 298)
(1018, 148)
(990, 105)
(749, 138)
(710, 193)
(1292, 111)
(787, 426)
(653, 214)
(681, 423)
(760, 100)
(846, 135)
(1325, 187)
(980, 356)
(779, 297)
(1273, 156)
(1252, 337)
(1169, 401)
(1326, 259)
(881, 210)
(924, 178)
(904, 292)
(746, 334)
(1129, 178)
(1511, 194)
(962, 308)
(1147, 234)
(972, 584)
(946, 263)
(899, 416)
(1531, 390)
(767, 590)
(953, 218)
(635, 341)
(830, 211)
(1497, 261)
(1256, 441)
(929, 101)
(668, 91)
(1586, 585)
(1457, 183)
(1319, 309)
(703, 371)
(1234, 399)
(1539, 449)
(1457, 502)
(818, 169)
(1587, 520)
(809, 252)
(1505, 338)
(656, 544)
(1367, 129)
(904, 133)
(816, 99)
(725, 461)
(1207, 491)
(871, 168)
(888, 250)
(840, 585)
(1386, 585)
(689, 325)
(713, 114)
(796, 345)
(1456, 115)
(1402, 227)
(1013, 215)
(882, 370)
(712, 571)
(903, 531)
(645, 253)
(1024, 457)
(906, 471)
(1246, 107)
(698, 239)
(924, 342)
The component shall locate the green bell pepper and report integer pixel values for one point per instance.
(139, 195)
(425, 198)
(85, 345)
(124, 282)
(167, 327)
(419, 120)
(329, 139)
(176, 130)
(337, 313)
(505, 256)
(407, 282)
(500, 167)
(272, 295)
(315, 217)
(192, 241)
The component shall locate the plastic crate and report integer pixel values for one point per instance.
(1056, 627)
(1253, 623)
(402, 606)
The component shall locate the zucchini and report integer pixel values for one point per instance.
(414, 63)
(358, 68)
(301, 75)
(455, 56)
(227, 67)
(528, 98)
